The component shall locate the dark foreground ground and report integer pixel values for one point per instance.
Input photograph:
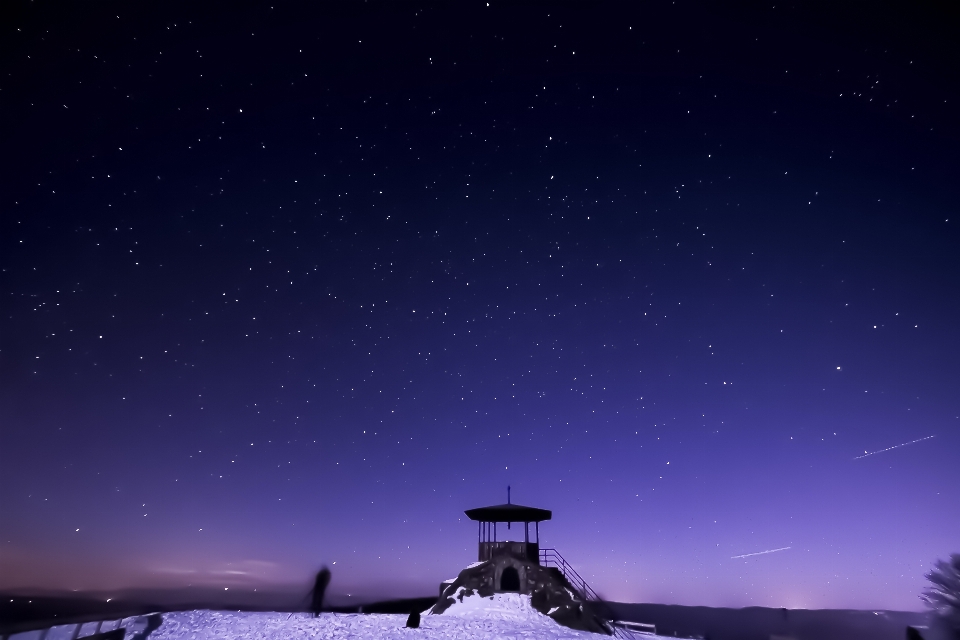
(20, 613)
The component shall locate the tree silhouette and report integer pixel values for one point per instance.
(943, 596)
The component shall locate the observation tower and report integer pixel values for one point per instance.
(487, 519)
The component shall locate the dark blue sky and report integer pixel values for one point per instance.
(286, 286)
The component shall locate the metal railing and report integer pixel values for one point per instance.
(134, 627)
(551, 557)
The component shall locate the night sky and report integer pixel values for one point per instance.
(286, 285)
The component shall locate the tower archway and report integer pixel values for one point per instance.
(509, 579)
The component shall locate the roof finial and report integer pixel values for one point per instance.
(508, 494)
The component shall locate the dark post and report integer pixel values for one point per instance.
(526, 532)
(413, 620)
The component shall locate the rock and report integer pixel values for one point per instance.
(549, 591)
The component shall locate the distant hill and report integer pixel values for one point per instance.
(759, 623)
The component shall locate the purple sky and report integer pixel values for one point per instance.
(286, 288)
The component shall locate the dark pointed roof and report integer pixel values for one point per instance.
(509, 513)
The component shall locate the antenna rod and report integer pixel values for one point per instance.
(508, 494)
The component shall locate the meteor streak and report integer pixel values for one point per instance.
(759, 553)
(873, 453)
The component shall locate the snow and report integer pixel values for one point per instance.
(133, 625)
(506, 615)
(512, 606)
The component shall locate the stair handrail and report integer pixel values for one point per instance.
(585, 591)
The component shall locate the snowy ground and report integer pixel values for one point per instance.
(505, 616)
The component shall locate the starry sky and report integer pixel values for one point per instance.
(286, 285)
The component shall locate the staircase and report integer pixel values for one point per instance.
(551, 558)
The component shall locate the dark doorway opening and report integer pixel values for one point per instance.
(510, 580)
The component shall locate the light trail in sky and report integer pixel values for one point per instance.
(873, 453)
(759, 553)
